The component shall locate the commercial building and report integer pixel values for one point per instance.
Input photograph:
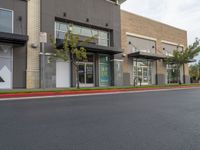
(127, 49)
(146, 44)
(20, 61)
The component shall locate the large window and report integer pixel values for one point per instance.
(102, 37)
(6, 20)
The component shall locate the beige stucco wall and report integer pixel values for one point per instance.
(135, 24)
(33, 73)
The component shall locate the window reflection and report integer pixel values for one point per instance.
(103, 37)
(6, 21)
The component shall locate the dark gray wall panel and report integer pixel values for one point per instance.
(99, 13)
(19, 67)
(20, 9)
(160, 79)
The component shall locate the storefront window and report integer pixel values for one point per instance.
(142, 72)
(6, 20)
(173, 74)
(104, 70)
(102, 37)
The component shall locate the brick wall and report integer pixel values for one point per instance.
(33, 60)
(135, 24)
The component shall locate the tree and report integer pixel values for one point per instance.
(180, 58)
(73, 50)
(195, 72)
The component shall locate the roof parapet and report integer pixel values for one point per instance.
(118, 2)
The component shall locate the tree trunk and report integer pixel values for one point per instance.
(179, 74)
(77, 77)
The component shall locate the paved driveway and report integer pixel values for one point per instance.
(168, 120)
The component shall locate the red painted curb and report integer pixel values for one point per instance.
(35, 94)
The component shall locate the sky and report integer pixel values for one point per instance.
(184, 14)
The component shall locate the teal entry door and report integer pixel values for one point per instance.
(104, 71)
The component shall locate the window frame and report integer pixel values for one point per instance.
(12, 12)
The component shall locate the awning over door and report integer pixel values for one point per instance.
(146, 55)
(13, 39)
(94, 48)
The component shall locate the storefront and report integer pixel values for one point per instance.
(95, 71)
(142, 72)
(86, 72)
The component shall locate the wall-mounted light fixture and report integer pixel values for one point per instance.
(20, 18)
(87, 20)
(34, 45)
(64, 14)
(123, 55)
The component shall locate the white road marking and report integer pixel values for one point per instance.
(95, 94)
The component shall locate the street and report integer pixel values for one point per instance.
(162, 120)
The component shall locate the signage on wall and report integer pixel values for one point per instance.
(104, 74)
(43, 37)
(1, 79)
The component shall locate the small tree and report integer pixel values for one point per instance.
(195, 72)
(73, 50)
(180, 58)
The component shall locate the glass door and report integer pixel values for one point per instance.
(104, 70)
(89, 74)
(86, 74)
(145, 76)
(142, 72)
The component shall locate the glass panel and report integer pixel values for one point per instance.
(63, 27)
(89, 74)
(173, 74)
(90, 58)
(95, 33)
(145, 75)
(142, 70)
(82, 73)
(6, 21)
(103, 42)
(86, 32)
(77, 30)
(104, 75)
(102, 36)
(60, 35)
(104, 59)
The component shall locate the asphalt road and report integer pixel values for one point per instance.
(168, 120)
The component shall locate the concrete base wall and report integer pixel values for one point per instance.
(33, 79)
(187, 79)
(126, 79)
(160, 79)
